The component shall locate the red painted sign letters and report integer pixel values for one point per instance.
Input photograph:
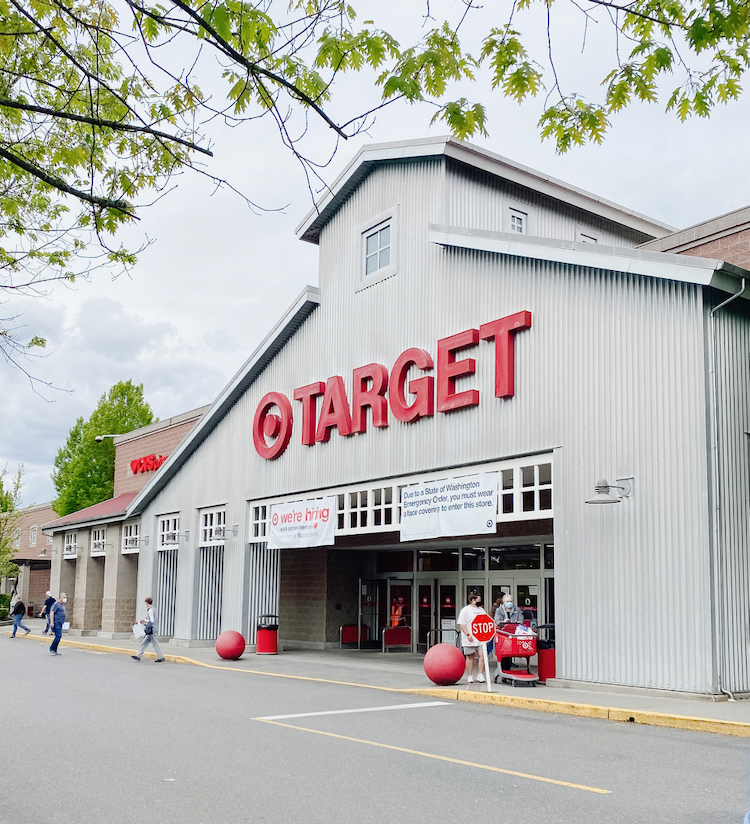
(409, 400)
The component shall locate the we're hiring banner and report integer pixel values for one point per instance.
(452, 506)
(302, 524)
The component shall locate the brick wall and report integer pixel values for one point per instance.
(302, 608)
(38, 586)
(734, 248)
(38, 516)
(161, 442)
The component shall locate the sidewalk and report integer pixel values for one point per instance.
(403, 672)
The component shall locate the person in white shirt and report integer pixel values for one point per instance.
(151, 622)
(471, 647)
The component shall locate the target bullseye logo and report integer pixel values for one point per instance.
(267, 424)
(275, 519)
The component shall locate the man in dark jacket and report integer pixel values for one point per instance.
(18, 611)
(58, 619)
(48, 604)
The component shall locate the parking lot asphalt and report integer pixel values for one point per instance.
(404, 672)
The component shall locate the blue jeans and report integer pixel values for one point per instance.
(17, 624)
(46, 629)
(57, 629)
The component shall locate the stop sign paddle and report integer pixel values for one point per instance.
(483, 628)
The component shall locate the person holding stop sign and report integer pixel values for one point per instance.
(470, 645)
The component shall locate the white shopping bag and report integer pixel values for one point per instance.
(139, 630)
(66, 626)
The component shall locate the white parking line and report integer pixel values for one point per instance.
(363, 709)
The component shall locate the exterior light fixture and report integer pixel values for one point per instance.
(222, 531)
(603, 495)
(45, 553)
(100, 438)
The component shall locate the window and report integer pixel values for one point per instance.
(32, 536)
(518, 221)
(130, 537)
(213, 522)
(98, 541)
(70, 545)
(378, 249)
(379, 239)
(17, 539)
(49, 539)
(169, 530)
(260, 522)
(518, 218)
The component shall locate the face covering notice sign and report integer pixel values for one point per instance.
(301, 524)
(451, 506)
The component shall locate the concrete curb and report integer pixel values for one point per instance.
(654, 719)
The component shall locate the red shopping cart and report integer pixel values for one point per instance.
(509, 644)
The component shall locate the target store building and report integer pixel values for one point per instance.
(490, 354)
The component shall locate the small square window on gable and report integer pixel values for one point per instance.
(517, 219)
(378, 239)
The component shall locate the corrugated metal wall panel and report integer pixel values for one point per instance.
(610, 376)
(479, 200)
(732, 329)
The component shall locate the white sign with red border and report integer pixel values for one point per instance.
(302, 524)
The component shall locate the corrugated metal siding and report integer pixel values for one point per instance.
(611, 376)
(264, 588)
(478, 200)
(732, 329)
(210, 592)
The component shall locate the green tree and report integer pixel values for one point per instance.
(101, 102)
(10, 515)
(84, 469)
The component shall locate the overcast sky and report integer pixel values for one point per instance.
(217, 277)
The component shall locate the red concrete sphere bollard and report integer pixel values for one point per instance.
(230, 645)
(444, 664)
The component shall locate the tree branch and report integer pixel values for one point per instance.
(62, 186)
(97, 121)
(629, 10)
(253, 68)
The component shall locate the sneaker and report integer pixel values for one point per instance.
(53, 652)
(159, 661)
(480, 678)
(470, 680)
(28, 631)
(135, 657)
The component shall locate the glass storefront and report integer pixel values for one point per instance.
(424, 589)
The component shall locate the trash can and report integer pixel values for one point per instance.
(545, 650)
(267, 639)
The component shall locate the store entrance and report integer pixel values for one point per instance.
(525, 591)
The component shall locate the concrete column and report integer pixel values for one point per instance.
(86, 616)
(119, 591)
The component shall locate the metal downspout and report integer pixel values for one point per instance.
(718, 587)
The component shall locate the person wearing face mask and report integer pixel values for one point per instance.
(507, 613)
(57, 619)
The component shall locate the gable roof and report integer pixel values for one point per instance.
(273, 343)
(470, 155)
(112, 509)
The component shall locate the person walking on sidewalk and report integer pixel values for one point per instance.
(470, 646)
(48, 604)
(57, 611)
(151, 627)
(18, 611)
